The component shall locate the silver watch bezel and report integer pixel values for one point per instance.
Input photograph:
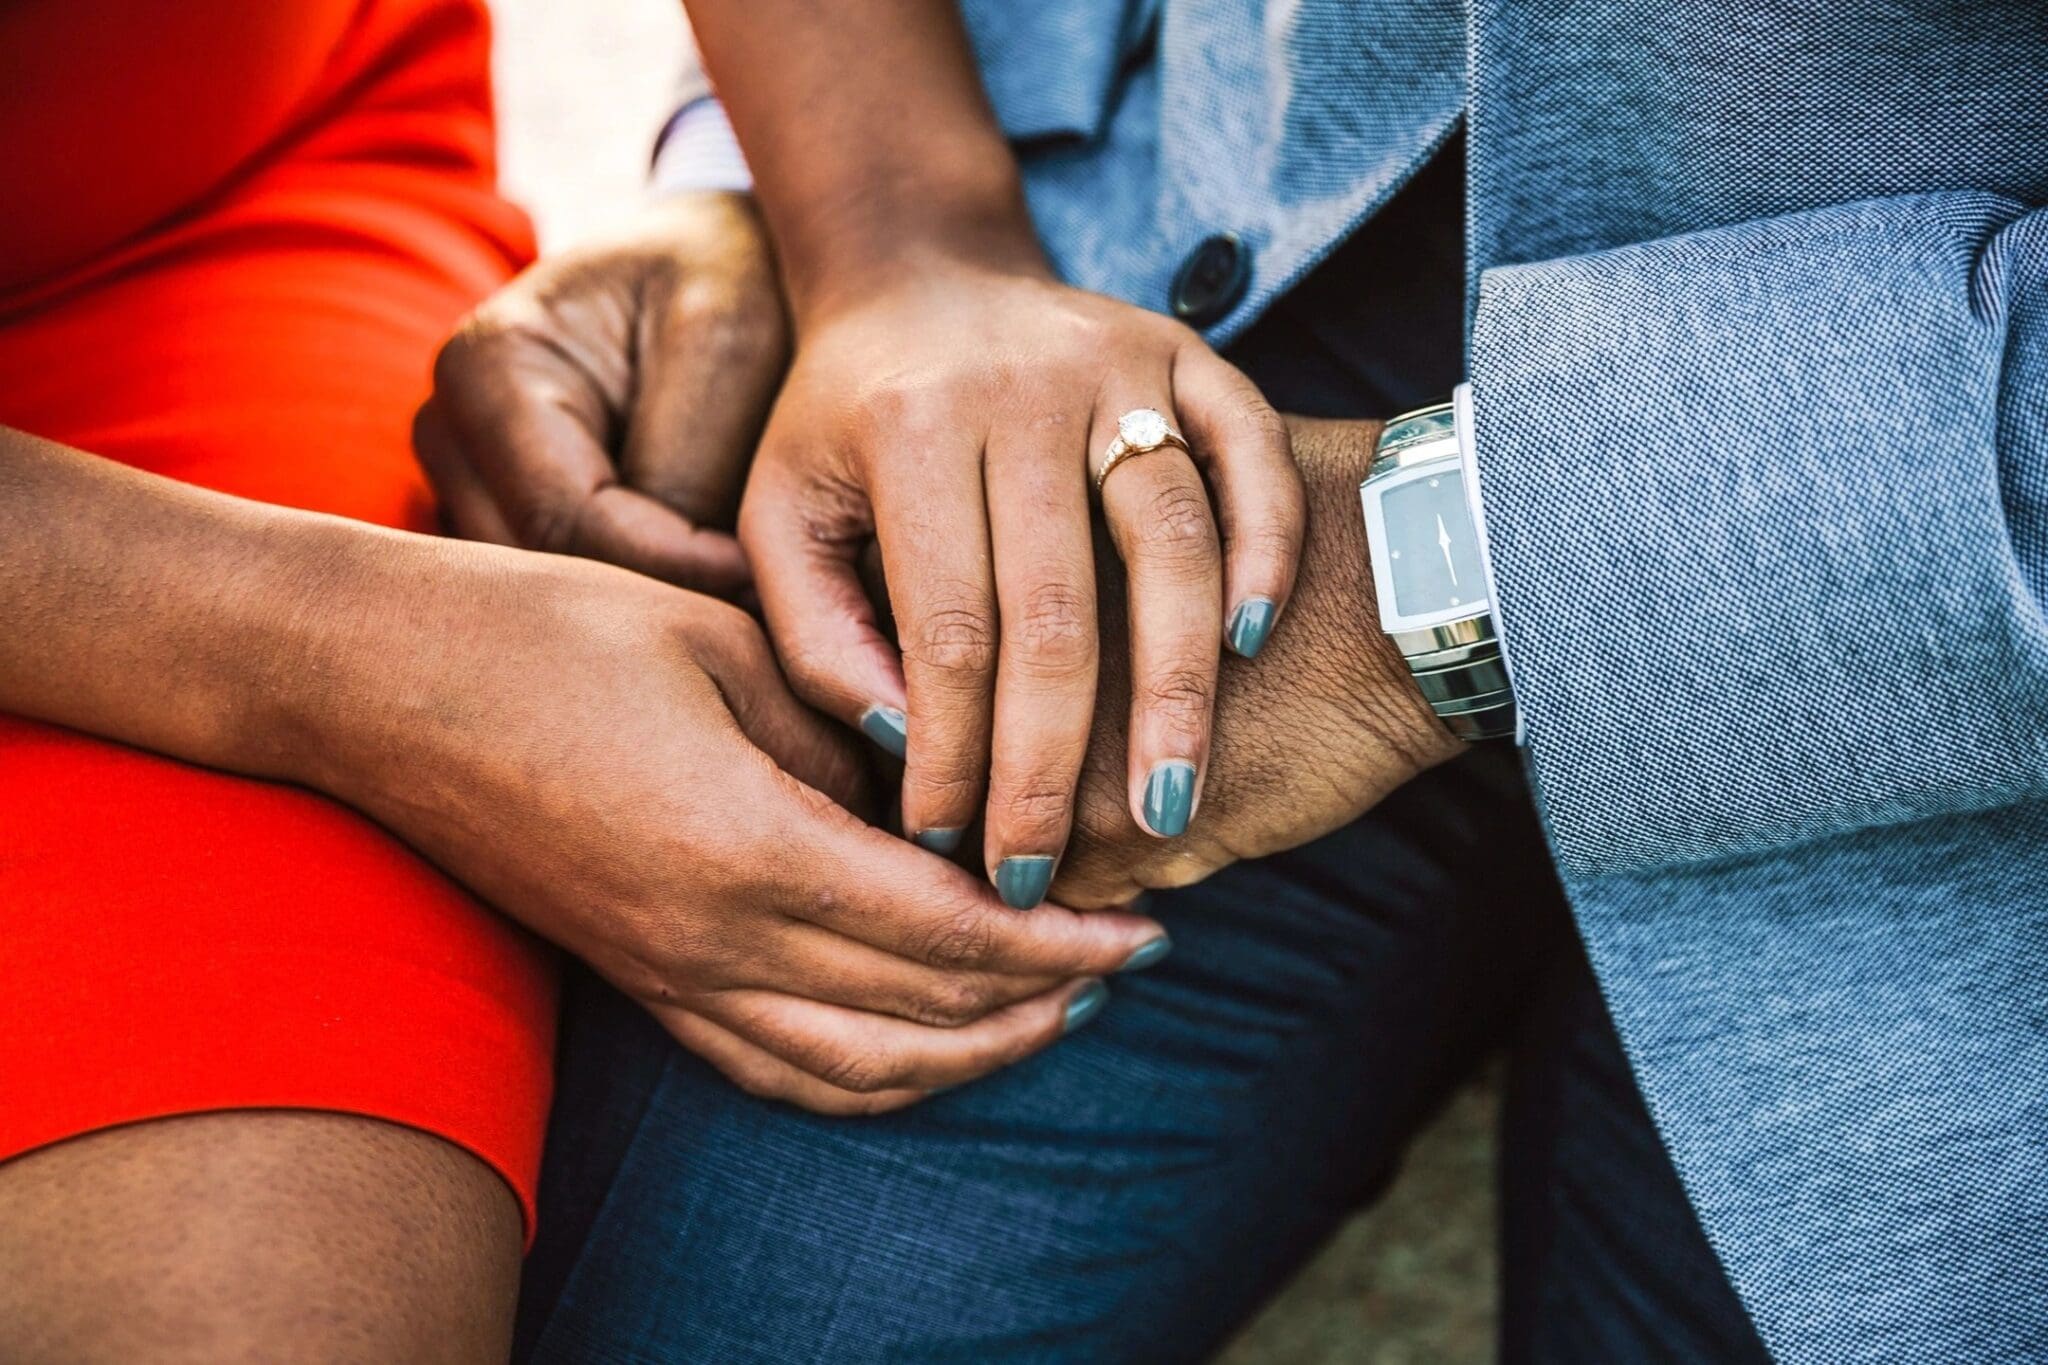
(1430, 630)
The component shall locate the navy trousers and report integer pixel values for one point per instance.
(1135, 1193)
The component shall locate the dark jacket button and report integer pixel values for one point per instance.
(1212, 279)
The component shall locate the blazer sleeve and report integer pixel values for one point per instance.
(1767, 507)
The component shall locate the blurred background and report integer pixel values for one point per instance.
(583, 85)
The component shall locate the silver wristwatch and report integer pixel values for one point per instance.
(1430, 574)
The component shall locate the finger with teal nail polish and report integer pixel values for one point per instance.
(1250, 624)
(1023, 881)
(1170, 797)
(940, 841)
(1148, 955)
(886, 726)
(1086, 1004)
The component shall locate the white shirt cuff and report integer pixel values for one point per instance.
(1468, 457)
(697, 151)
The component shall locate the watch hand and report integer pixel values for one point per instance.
(1443, 542)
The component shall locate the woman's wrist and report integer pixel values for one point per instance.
(329, 633)
(872, 144)
(410, 658)
(205, 660)
(373, 647)
(891, 227)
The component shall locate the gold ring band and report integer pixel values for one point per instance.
(1138, 432)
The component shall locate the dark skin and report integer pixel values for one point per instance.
(327, 1237)
(611, 760)
(265, 1239)
(948, 399)
(1309, 735)
(662, 807)
(544, 433)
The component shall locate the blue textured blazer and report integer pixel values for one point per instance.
(1759, 350)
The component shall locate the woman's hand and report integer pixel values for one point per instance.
(1310, 735)
(618, 765)
(605, 403)
(612, 761)
(954, 411)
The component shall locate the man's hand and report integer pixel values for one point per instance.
(619, 765)
(606, 402)
(1309, 735)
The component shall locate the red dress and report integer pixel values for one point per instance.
(232, 234)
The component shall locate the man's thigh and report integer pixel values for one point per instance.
(1603, 1258)
(1129, 1195)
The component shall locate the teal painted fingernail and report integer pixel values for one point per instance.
(1086, 1005)
(1023, 882)
(1170, 797)
(885, 726)
(938, 840)
(1250, 624)
(1148, 955)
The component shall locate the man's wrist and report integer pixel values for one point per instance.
(1352, 662)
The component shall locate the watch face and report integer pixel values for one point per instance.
(1432, 547)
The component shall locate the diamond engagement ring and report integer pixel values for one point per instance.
(1138, 432)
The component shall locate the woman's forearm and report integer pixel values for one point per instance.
(868, 133)
(176, 619)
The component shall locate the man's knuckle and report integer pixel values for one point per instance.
(721, 320)
(703, 302)
(458, 354)
(430, 436)
(1177, 870)
(1094, 887)
(486, 339)
(548, 525)
(1101, 817)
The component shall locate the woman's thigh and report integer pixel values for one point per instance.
(268, 1236)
